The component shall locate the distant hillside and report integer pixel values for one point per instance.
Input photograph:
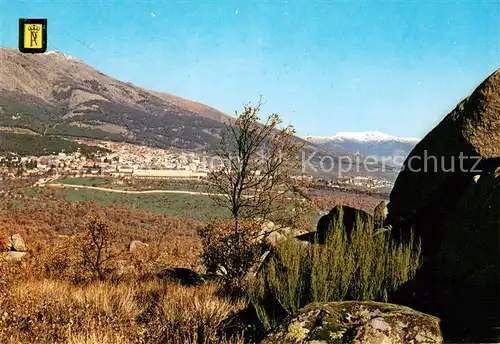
(37, 145)
(54, 93)
(373, 144)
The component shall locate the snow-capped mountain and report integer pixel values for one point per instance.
(369, 143)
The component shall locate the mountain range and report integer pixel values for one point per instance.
(57, 95)
(53, 93)
(370, 143)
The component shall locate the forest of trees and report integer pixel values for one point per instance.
(25, 144)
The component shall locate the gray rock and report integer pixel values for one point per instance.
(272, 233)
(353, 322)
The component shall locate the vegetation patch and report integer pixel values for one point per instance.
(196, 207)
(37, 145)
(364, 266)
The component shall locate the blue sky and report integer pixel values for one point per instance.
(396, 67)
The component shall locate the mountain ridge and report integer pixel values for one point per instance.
(55, 93)
(368, 143)
(362, 136)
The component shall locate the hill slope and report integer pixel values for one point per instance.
(54, 93)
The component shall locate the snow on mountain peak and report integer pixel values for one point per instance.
(59, 54)
(364, 136)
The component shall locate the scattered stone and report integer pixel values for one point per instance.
(353, 322)
(16, 243)
(12, 256)
(274, 233)
(137, 245)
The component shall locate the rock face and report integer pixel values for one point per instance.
(349, 217)
(449, 194)
(357, 322)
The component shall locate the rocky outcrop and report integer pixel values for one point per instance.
(434, 174)
(357, 322)
(449, 195)
(349, 217)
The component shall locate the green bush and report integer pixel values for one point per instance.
(365, 266)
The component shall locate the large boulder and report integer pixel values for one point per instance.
(272, 234)
(357, 322)
(454, 210)
(349, 216)
(434, 175)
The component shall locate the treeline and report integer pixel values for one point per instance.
(25, 144)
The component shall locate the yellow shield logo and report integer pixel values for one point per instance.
(32, 35)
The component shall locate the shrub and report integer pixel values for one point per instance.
(364, 266)
(230, 254)
(51, 311)
(96, 245)
(3, 244)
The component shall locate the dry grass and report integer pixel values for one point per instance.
(196, 313)
(52, 297)
(97, 338)
(50, 311)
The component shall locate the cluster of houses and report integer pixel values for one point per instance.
(117, 164)
(126, 161)
(360, 182)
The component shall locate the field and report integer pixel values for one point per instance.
(138, 184)
(62, 299)
(184, 206)
(193, 207)
(88, 181)
(53, 295)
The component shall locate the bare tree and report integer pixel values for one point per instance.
(96, 246)
(257, 161)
